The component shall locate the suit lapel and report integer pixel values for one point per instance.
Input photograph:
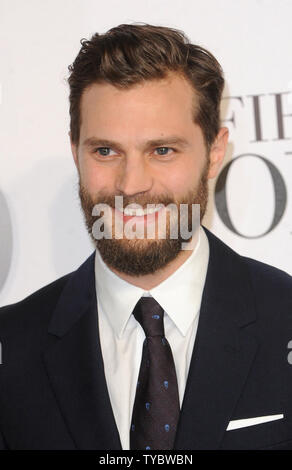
(75, 367)
(224, 350)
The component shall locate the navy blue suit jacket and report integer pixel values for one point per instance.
(53, 392)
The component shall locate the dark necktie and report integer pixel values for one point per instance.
(156, 406)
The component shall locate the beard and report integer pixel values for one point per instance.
(138, 257)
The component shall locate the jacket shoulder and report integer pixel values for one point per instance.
(272, 289)
(268, 276)
(261, 274)
(33, 308)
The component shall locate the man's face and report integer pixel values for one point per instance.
(141, 143)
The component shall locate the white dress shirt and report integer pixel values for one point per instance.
(122, 337)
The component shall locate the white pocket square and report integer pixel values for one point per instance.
(242, 423)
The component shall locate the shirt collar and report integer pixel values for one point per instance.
(179, 295)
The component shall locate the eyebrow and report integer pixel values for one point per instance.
(171, 140)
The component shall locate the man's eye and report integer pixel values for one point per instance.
(163, 150)
(104, 151)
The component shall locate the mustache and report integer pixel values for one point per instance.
(127, 200)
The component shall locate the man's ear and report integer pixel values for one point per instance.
(74, 151)
(217, 152)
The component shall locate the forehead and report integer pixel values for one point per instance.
(145, 110)
(173, 91)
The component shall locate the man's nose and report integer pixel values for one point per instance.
(134, 177)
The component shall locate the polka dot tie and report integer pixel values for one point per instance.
(156, 406)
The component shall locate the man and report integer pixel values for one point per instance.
(213, 371)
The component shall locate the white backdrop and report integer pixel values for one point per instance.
(42, 230)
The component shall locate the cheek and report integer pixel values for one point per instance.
(181, 180)
(95, 177)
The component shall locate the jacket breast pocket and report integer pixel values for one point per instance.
(258, 436)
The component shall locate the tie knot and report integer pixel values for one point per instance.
(149, 314)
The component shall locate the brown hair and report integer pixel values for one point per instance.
(131, 53)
